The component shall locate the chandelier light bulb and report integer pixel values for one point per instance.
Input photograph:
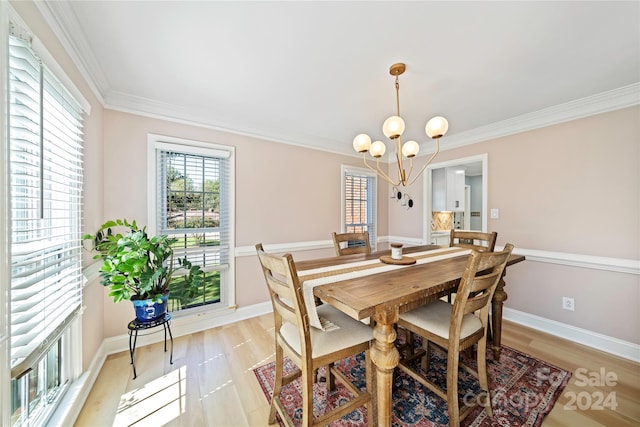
(361, 143)
(410, 149)
(436, 127)
(393, 127)
(377, 149)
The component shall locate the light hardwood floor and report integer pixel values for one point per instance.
(212, 383)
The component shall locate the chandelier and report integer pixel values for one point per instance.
(393, 128)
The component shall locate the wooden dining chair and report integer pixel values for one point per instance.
(351, 243)
(482, 242)
(455, 328)
(311, 348)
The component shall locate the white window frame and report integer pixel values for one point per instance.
(71, 365)
(372, 204)
(5, 263)
(162, 142)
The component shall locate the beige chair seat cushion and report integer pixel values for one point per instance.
(435, 317)
(351, 332)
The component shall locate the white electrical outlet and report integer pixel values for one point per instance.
(568, 304)
(495, 213)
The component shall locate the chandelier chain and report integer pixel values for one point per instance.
(397, 97)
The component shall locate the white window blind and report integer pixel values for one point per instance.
(193, 205)
(359, 202)
(45, 187)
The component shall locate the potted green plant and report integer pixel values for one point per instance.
(140, 268)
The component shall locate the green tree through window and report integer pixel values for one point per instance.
(192, 214)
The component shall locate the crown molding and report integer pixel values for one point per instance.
(118, 101)
(64, 22)
(612, 100)
(604, 102)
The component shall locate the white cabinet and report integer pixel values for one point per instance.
(438, 190)
(448, 189)
(455, 189)
(440, 238)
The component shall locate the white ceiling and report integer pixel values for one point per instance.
(316, 73)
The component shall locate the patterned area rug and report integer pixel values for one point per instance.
(523, 390)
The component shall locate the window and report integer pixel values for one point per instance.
(193, 203)
(45, 197)
(359, 202)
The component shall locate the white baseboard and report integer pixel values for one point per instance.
(80, 389)
(190, 324)
(82, 386)
(605, 343)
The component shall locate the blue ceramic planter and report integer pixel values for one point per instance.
(148, 310)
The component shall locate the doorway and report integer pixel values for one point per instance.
(474, 215)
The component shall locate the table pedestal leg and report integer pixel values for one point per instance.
(385, 356)
(499, 297)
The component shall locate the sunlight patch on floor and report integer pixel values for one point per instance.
(217, 389)
(241, 344)
(156, 402)
(261, 362)
(212, 359)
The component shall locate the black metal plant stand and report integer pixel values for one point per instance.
(137, 325)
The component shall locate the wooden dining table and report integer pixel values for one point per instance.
(384, 295)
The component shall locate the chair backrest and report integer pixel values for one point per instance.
(351, 243)
(479, 281)
(286, 295)
(482, 242)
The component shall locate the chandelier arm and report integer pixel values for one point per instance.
(393, 128)
(402, 177)
(384, 175)
(364, 160)
(378, 171)
(410, 170)
(433, 156)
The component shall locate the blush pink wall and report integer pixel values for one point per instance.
(555, 188)
(403, 221)
(284, 193)
(573, 188)
(93, 317)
